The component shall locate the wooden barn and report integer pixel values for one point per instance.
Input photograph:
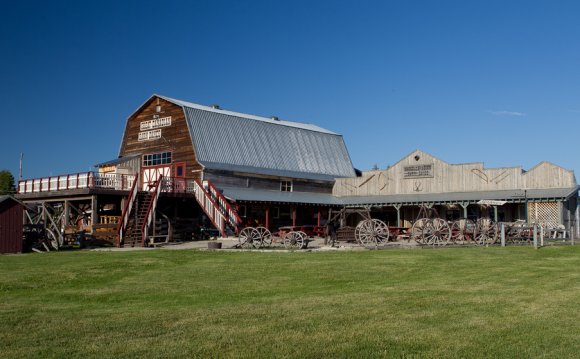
(186, 171)
(185, 167)
(546, 194)
(11, 212)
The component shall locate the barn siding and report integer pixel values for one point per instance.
(11, 213)
(470, 177)
(175, 138)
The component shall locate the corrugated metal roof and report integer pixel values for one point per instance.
(254, 195)
(227, 140)
(455, 197)
(247, 194)
(116, 161)
(305, 126)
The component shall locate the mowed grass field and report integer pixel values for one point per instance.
(443, 303)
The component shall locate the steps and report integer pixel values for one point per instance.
(217, 208)
(138, 216)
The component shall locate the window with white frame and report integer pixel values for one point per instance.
(157, 159)
(286, 186)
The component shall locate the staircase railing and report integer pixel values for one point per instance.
(150, 211)
(224, 205)
(210, 208)
(122, 227)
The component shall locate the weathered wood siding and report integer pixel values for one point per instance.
(174, 138)
(229, 179)
(422, 173)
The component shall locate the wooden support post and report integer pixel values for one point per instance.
(535, 236)
(495, 214)
(503, 234)
(94, 212)
(398, 208)
(541, 236)
(464, 205)
(66, 212)
(268, 217)
(318, 218)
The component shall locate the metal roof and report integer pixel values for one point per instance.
(253, 195)
(306, 126)
(511, 196)
(116, 161)
(247, 194)
(226, 140)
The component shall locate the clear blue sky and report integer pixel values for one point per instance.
(467, 81)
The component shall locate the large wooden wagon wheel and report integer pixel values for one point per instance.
(417, 230)
(462, 231)
(436, 232)
(372, 232)
(485, 231)
(249, 238)
(294, 240)
(265, 236)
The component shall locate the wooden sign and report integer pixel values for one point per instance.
(418, 171)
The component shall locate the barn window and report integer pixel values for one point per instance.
(157, 159)
(286, 186)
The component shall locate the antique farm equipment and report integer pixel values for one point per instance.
(338, 227)
(486, 231)
(372, 232)
(260, 237)
(463, 231)
(429, 229)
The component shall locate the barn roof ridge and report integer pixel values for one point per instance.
(301, 125)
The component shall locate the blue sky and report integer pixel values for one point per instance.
(467, 81)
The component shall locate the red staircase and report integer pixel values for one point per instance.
(137, 216)
(217, 208)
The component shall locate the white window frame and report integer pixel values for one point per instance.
(284, 186)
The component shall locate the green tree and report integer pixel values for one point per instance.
(6, 182)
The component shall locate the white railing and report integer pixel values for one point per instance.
(210, 208)
(127, 210)
(77, 181)
(225, 206)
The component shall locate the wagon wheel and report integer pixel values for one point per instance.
(372, 232)
(462, 230)
(417, 230)
(485, 231)
(265, 236)
(294, 240)
(53, 239)
(436, 232)
(249, 238)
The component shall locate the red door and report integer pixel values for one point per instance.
(179, 176)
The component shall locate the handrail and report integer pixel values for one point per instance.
(127, 210)
(80, 180)
(232, 215)
(210, 207)
(150, 211)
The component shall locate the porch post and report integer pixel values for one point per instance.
(267, 216)
(398, 208)
(318, 220)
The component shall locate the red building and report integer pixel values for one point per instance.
(11, 212)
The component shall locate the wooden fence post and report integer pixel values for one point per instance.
(503, 234)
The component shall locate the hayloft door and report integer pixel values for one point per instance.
(155, 165)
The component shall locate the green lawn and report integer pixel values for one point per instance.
(452, 302)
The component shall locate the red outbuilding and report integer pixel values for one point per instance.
(11, 212)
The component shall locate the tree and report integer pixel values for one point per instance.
(6, 182)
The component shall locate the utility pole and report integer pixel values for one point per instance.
(20, 173)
